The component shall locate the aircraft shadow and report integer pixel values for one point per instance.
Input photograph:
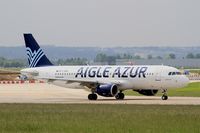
(130, 99)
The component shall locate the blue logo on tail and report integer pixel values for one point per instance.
(34, 57)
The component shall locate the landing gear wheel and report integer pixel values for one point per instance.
(164, 97)
(92, 96)
(120, 96)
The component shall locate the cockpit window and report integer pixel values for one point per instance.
(174, 73)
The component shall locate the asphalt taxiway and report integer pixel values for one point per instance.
(47, 93)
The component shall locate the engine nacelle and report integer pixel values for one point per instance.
(107, 90)
(23, 77)
(147, 92)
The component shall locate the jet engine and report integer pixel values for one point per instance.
(107, 90)
(23, 77)
(147, 92)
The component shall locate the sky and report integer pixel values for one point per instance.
(101, 23)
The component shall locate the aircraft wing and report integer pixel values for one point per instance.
(91, 84)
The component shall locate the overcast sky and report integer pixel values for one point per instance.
(101, 22)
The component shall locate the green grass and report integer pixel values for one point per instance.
(193, 90)
(90, 118)
(195, 71)
(10, 69)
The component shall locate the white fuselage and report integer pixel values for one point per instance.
(134, 77)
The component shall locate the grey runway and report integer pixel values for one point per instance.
(47, 93)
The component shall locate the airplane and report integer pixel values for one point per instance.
(106, 80)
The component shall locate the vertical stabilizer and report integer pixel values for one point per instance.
(36, 56)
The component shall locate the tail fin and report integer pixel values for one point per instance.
(36, 57)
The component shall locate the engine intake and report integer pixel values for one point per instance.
(107, 90)
(23, 77)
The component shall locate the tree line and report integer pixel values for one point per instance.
(20, 63)
(12, 62)
(100, 57)
(193, 56)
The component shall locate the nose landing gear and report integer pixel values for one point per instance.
(164, 96)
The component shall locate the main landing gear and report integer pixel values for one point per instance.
(120, 96)
(92, 96)
(164, 96)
